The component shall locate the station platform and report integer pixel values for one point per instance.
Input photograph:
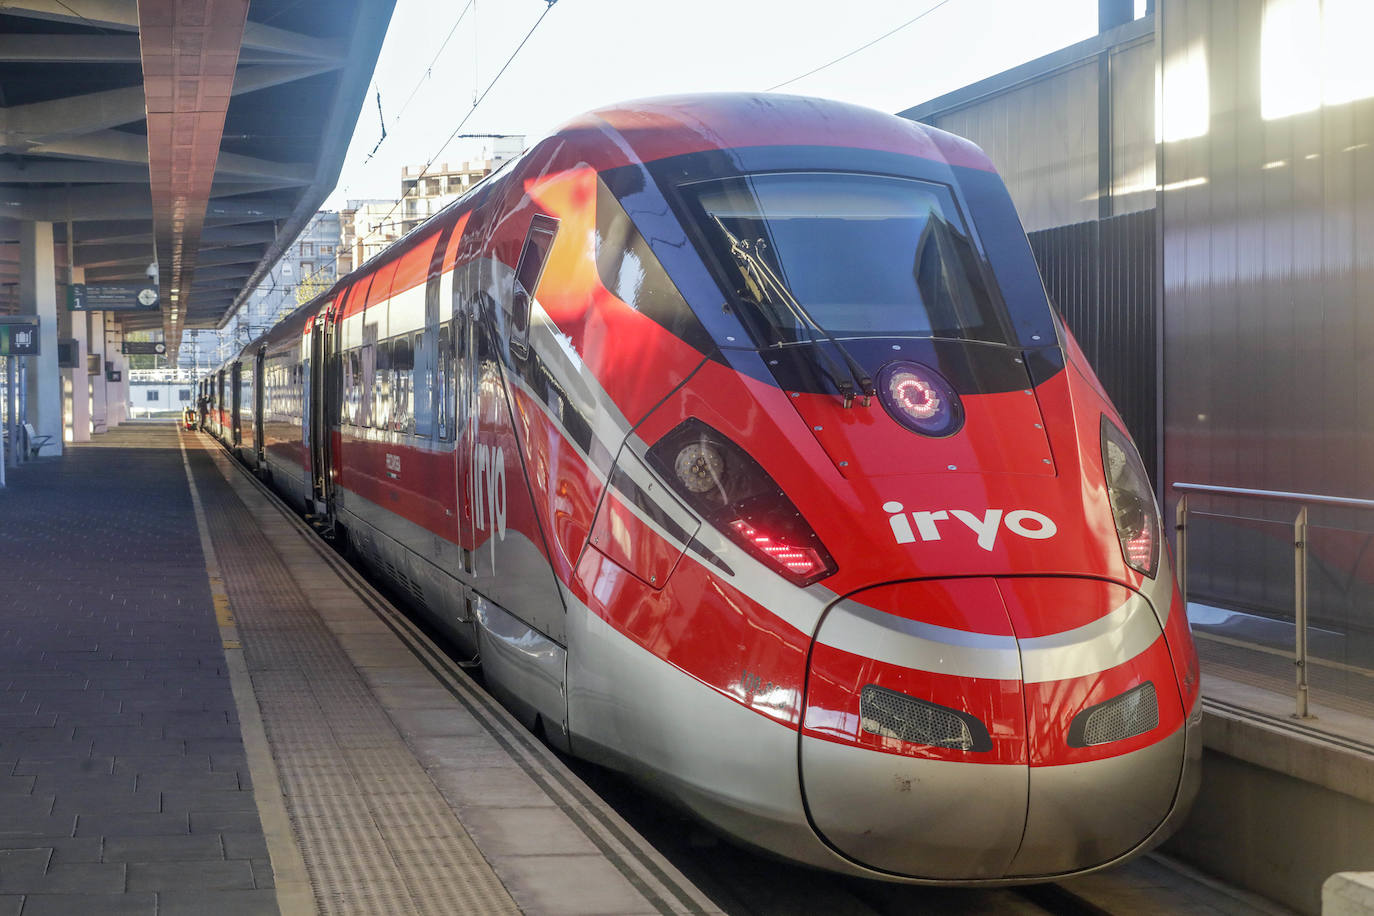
(205, 710)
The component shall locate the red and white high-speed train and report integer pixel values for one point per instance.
(736, 435)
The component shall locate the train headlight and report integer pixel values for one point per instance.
(920, 399)
(699, 466)
(728, 488)
(1133, 502)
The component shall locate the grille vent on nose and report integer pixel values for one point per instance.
(896, 715)
(1134, 712)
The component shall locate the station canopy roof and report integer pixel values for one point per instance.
(200, 134)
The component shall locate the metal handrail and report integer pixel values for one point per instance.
(1282, 496)
(1300, 550)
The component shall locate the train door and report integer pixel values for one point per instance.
(519, 610)
(320, 452)
(219, 404)
(465, 398)
(259, 402)
(236, 402)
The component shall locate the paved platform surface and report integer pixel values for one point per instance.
(206, 711)
(124, 786)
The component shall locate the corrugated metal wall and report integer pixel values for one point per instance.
(1101, 276)
(1264, 191)
(1042, 137)
(1268, 249)
(1042, 134)
(1133, 128)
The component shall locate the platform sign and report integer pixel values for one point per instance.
(143, 348)
(18, 335)
(82, 297)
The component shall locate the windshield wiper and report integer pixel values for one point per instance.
(771, 285)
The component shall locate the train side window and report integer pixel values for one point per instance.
(528, 270)
(367, 381)
(381, 386)
(403, 372)
(422, 389)
(632, 273)
(353, 386)
(444, 421)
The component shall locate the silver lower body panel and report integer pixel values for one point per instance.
(932, 819)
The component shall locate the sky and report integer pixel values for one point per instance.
(587, 53)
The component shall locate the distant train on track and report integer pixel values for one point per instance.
(736, 436)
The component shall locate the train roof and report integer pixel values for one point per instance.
(645, 130)
(656, 128)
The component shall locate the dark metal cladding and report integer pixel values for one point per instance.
(1004, 244)
(971, 367)
(1101, 277)
(1044, 363)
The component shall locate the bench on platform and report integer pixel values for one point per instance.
(34, 441)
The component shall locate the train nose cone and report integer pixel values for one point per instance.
(978, 729)
(913, 751)
(1106, 731)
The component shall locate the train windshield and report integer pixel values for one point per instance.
(855, 255)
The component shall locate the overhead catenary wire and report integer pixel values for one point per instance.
(425, 75)
(549, 4)
(864, 47)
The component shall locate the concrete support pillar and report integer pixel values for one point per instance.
(96, 332)
(116, 393)
(38, 296)
(76, 380)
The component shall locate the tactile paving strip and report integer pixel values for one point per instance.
(375, 833)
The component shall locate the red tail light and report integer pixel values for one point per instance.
(730, 490)
(803, 562)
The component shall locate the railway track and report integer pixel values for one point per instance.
(743, 882)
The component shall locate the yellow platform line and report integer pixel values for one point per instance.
(295, 896)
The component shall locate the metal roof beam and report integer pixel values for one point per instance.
(71, 116)
(105, 49)
(121, 146)
(238, 235)
(116, 14)
(219, 257)
(46, 171)
(110, 49)
(100, 146)
(123, 202)
(99, 231)
(261, 37)
(107, 255)
(265, 76)
(78, 115)
(249, 167)
(219, 273)
(113, 274)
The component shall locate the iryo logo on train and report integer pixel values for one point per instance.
(489, 489)
(1026, 523)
